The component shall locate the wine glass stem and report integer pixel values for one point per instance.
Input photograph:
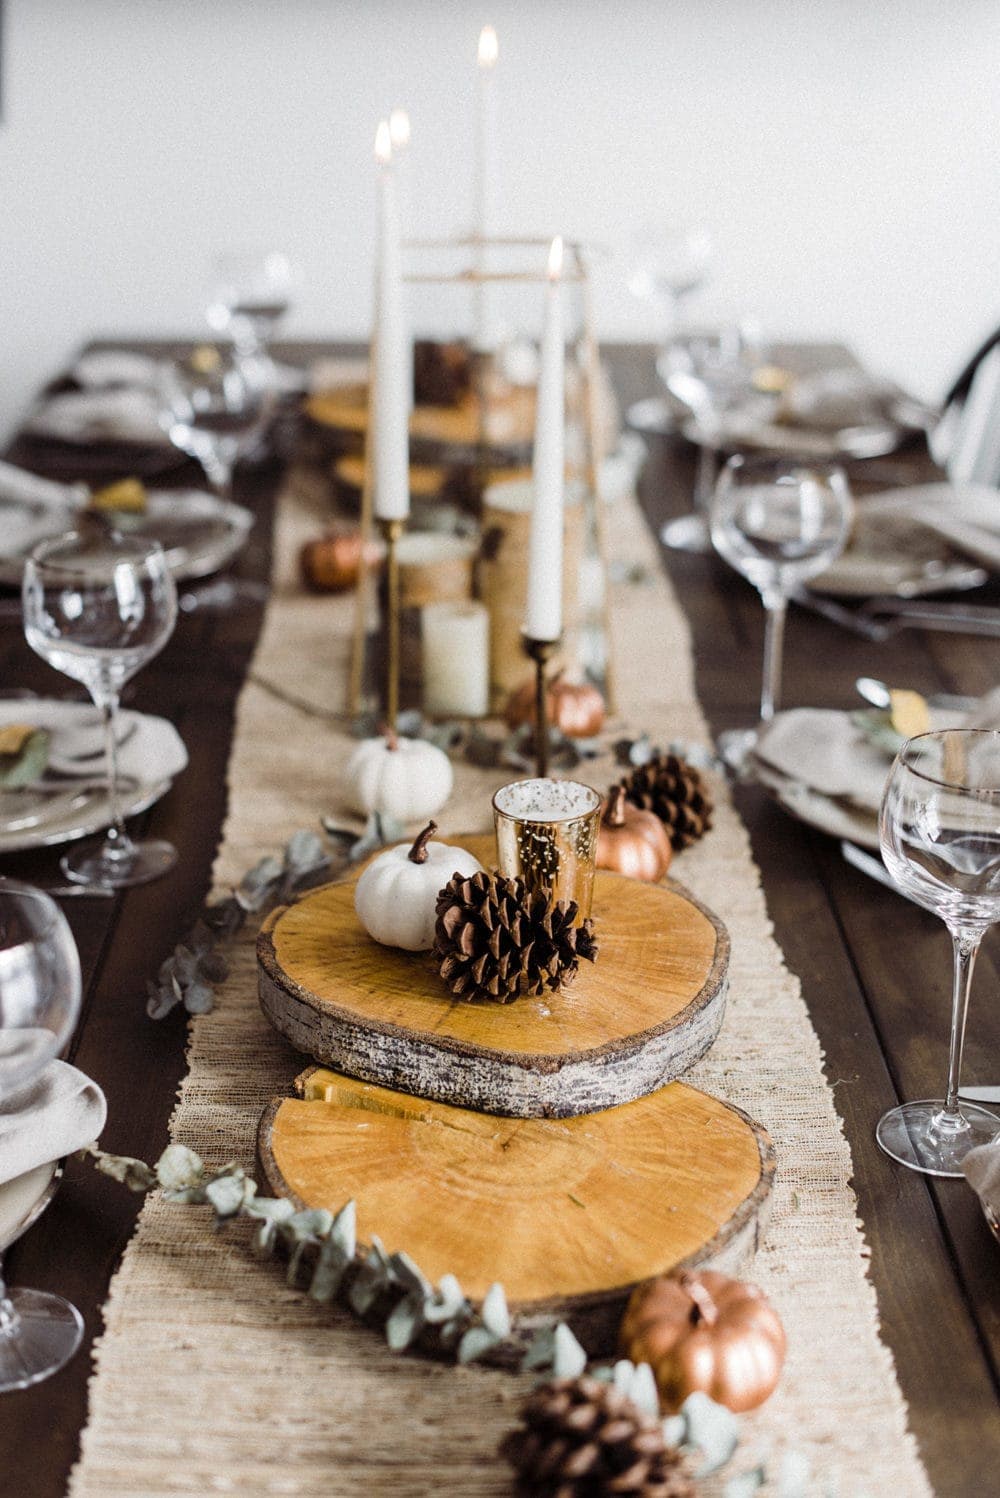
(705, 479)
(775, 608)
(117, 842)
(965, 946)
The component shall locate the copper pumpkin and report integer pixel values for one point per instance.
(575, 708)
(631, 841)
(330, 564)
(705, 1332)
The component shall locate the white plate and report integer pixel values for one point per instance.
(23, 1200)
(198, 531)
(152, 754)
(870, 440)
(838, 818)
(892, 553)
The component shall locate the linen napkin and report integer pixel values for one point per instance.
(18, 486)
(61, 1111)
(826, 751)
(116, 413)
(981, 1168)
(104, 367)
(967, 516)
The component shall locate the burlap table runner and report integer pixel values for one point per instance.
(211, 1376)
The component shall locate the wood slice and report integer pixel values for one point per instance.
(569, 1215)
(649, 1007)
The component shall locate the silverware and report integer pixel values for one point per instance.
(82, 891)
(878, 694)
(881, 618)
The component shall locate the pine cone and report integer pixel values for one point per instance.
(677, 793)
(495, 940)
(585, 1440)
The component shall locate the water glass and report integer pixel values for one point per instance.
(939, 830)
(213, 406)
(39, 1005)
(98, 606)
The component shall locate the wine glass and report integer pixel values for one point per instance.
(213, 404)
(39, 1004)
(939, 829)
(250, 294)
(779, 523)
(712, 372)
(669, 263)
(98, 606)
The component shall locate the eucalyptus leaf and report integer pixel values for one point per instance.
(268, 1208)
(304, 851)
(411, 1276)
(227, 1194)
(225, 917)
(409, 723)
(404, 1323)
(636, 1382)
(135, 1174)
(447, 1302)
(482, 750)
(494, 1314)
(328, 1275)
(160, 1000)
(369, 1282)
(542, 1349)
(312, 1222)
(568, 1357)
(712, 1428)
(179, 1167)
(212, 967)
(745, 1484)
(21, 769)
(199, 998)
(475, 1343)
(254, 889)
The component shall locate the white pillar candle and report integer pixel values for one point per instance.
(390, 371)
(543, 619)
(456, 659)
(484, 183)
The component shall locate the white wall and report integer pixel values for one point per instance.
(845, 151)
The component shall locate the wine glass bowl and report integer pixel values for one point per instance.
(939, 831)
(778, 523)
(250, 295)
(39, 1004)
(97, 606)
(213, 405)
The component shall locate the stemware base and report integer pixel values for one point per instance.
(687, 533)
(735, 747)
(921, 1137)
(45, 1333)
(138, 864)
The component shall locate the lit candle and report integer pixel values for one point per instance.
(543, 620)
(455, 648)
(390, 354)
(399, 138)
(489, 51)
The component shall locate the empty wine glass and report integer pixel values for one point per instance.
(669, 262)
(250, 294)
(939, 830)
(39, 1004)
(213, 405)
(712, 372)
(779, 523)
(98, 606)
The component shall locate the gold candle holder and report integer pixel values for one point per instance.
(547, 835)
(541, 652)
(392, 530)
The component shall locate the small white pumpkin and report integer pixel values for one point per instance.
(406, 779)
(396, 896)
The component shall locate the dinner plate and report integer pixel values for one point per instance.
(826, 813)
(867, 440)
(892, 554)
(151, 755)
(198, 531)
(24, 1199)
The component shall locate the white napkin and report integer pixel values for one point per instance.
(967, 516)
(981, 1168)
(117, 413)
(106, 367)
(60, 1112)
(20, 487)
(825, 750)
(150, 748)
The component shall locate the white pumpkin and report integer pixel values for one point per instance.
(406, 779)
(396, 896)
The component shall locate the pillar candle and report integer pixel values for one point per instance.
(456, 658)
(543, 619)
(390, 354)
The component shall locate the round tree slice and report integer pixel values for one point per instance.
(568, 1214)
(640, 1016)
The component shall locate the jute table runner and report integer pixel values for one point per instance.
(213, 1377)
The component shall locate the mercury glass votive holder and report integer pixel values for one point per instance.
(547, 836)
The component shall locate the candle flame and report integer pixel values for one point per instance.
(383, 143)
(555, 258)
(489, 47)
(399, 129)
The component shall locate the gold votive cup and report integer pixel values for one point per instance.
(547, 836)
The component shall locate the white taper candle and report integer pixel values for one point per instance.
(391, 370)
(543, 618)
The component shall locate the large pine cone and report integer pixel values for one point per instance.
(495, 940)
(677, 793)
(585, 1440)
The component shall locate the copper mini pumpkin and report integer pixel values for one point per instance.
(705, 1332)
(330, 563)
(575, 708)
(631, 841)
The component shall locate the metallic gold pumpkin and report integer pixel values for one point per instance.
(704, 1331)
(631, 841)
(575, 708)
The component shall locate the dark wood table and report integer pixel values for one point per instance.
(875, 972)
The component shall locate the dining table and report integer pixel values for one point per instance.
(874, 968)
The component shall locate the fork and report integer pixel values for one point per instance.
(879, 619)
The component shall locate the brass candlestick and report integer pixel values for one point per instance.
(392, 530)
(541, 652)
